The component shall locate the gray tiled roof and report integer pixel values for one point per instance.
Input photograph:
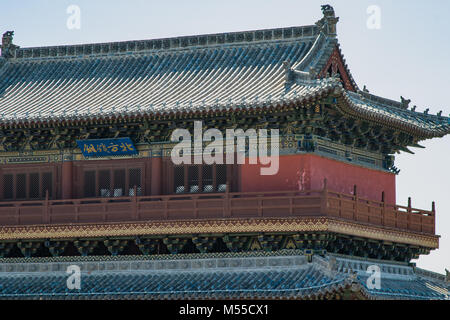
(157, 80)
(392, 112)
(260, 277)
(186, 74)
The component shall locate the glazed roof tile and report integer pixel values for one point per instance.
(154, 81)
(290, 276)
(186, 74)
(391, 111)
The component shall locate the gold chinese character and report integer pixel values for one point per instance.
(130, 146)
(123, 147)
(113, 147)
(89, 148)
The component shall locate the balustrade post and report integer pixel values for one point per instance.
(77, 210)
(227, 204)
(104, 210)
(409, 210)
(325, 197)
(195, 199)
(396, 216)
(260, 209)
(355, 212)
(433, 214)
(45, 215)
(135, 204)
(17, 211)
(166, 209)
(340, 204)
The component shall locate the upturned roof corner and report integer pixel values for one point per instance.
(329, 21)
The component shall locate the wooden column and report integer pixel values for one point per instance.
(67, 179)
(156, 176)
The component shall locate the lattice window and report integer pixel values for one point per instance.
(8, 186)
(207, 179)
(178, 183)
(33, 186)
(134, 181)
(113, 182)
(89, 184)
(21, 186)
(104, 183)
(119, 183)
(200, 178)
(47, 184)
(193, 179)
(221, 178)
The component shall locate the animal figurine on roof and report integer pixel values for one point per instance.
(405, 102)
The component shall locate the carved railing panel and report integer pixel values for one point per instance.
(311, 203)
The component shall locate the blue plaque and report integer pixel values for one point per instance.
(107, 147)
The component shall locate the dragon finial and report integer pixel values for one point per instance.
(328, 23)
(7, 46)
(327, 10)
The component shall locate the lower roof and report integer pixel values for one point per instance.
(287, 274)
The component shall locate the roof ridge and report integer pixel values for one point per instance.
(238, 37)
(429, 274)
(396, 104)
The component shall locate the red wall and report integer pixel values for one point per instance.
(307, 172)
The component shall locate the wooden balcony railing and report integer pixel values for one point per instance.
(313, 203)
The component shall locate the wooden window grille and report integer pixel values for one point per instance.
(221, 178)
(207, 179)
(89, 184)
(33, 186)
(179, 183)
(119, 183)
(193, 179)
(21, 186)
(26, 186)
(8, 187)
(47, 184)
(134, 181)
(199, 178)
(111, 183)
(104, 183)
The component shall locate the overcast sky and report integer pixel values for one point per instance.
(408, 56)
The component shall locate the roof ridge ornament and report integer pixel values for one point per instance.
(287, 71)
(405, 103)
(8, 48)
(328, 23)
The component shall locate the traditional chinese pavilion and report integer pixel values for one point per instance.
(86, 176)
